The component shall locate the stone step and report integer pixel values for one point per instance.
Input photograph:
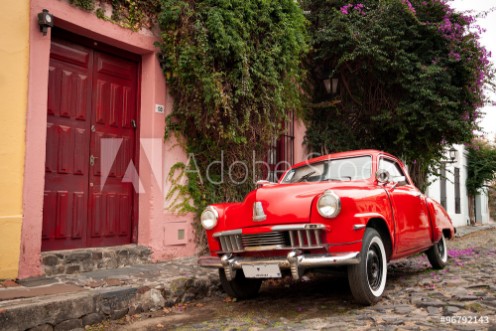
(89, 259)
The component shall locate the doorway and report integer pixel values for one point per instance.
(92, 98)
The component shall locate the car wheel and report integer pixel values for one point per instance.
(240, 287)
(368, 278)
(438, 254)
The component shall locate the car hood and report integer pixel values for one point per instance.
(282, 203)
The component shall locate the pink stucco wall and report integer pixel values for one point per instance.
(157, 228)
(300, 151)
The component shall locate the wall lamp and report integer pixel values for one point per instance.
(452, 154)
(331, 85)
(45, 20)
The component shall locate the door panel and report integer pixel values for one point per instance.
(412, 227)
(66, 168)
(114, 100)
(91, 96)
(412, 219)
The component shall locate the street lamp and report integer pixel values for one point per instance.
(331, 85)
(452, 154)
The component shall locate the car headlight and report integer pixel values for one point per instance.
(329, 204)
(209, 218)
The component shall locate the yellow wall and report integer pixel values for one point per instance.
(14, 55)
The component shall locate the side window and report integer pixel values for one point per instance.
(392, 167)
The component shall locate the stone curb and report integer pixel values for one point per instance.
(75, 310)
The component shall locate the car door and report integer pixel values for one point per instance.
(412, 228)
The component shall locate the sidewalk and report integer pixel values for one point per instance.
(69, 302)
(465, 230)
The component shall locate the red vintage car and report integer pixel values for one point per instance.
(358, 209)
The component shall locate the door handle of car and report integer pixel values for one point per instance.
(417, 194)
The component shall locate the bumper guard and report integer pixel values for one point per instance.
(294, 261)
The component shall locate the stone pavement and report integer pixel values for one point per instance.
(69, 302)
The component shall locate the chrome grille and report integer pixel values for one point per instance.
(231, 243)
(292, 238)
(263, 239)
(305, 238)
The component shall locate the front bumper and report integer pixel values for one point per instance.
(294, 261)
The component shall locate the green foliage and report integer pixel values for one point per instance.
(481, 165)
(131, 14)
(88, 5)
(233, 68)
(410, 78)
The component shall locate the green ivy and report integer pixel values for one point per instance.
(234, 70)
(88, 5)
(131, 14)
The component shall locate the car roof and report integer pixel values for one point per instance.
(341, 155)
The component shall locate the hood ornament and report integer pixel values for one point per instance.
(258, 212)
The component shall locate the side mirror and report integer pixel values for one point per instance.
(382, 176)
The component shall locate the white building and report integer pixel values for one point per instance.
(449, 189)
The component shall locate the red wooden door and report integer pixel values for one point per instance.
(91, 96)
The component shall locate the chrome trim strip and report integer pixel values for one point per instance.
(291, 239)
(309, 226)
(239, 243)
(357, 227)
(265, 248)
(226, 233)
(366, 215)
(317, 238)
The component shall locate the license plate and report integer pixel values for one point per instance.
(262, 271)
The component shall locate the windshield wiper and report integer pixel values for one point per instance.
(306, 176)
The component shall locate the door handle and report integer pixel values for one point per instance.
(92, 160)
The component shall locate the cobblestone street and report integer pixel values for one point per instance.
(460, 297)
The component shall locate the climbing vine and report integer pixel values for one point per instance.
(131, 14)
(234, 70)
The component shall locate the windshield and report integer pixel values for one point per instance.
(353, 168)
